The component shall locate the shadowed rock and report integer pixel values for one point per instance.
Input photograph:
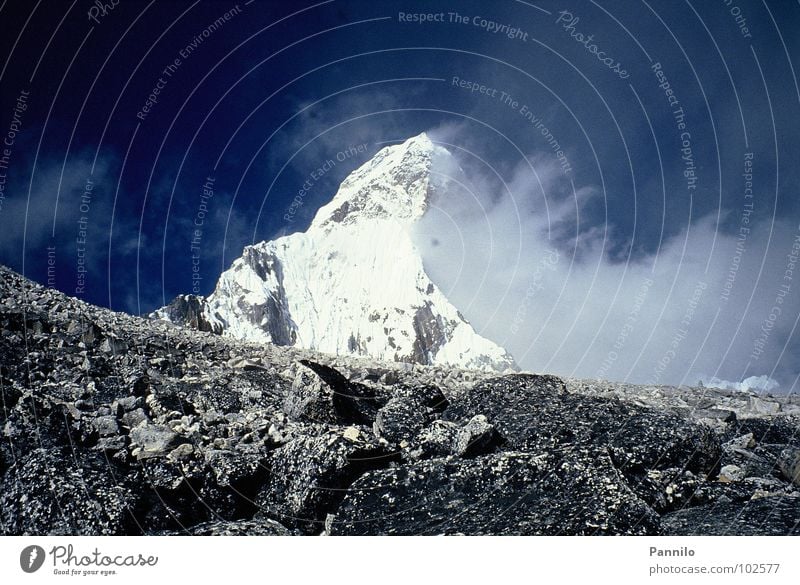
(777, 516)
(576, 492)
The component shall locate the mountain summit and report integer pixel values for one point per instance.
(353, 283)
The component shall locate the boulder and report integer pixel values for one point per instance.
(776, 516)
(790, 465)
(153, 440)
(435, 440)
(536, 413)
(477, 437)
(309, 476)
(400, 419)
(511, 493)
(51, 492)
(260, 527)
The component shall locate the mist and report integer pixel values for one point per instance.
(519, 256)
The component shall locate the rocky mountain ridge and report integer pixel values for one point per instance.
(113, 424)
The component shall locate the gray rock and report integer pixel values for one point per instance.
(400, 419)
(308, 476)
(106, 426)
(77, 497)
(476, 437)
(790, 465)
(182, 451)
(260, 527)
(436, 440)
(113, 345)
(309, 398)
(731, 473)
(153, 440)
(231, 468)
(745, 441)
(536, 413)
(112, 443)
(134, 418)
(761, 406)
(578, 492)
(777, 516)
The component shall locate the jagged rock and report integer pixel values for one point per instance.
(113, 345)
(436, 440)
(126, 404)
(153, 440)
(756, 462)
(577, 492)
(308, 476)
(790, 465)
(232, 468)
(745, 441)
(180, 452)
(188, 310)
(428, 395)
(476, 437)
(777, 516)
(135, 417)
(106, 426)
(761, 406)
(260, 527)
(50, 492)
(730, 473)
(352, 402)
(535, 413)
(309, 398)
(400, 419)
(777, 430)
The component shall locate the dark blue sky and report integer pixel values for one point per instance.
(264, 98)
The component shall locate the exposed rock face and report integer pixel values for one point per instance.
(189, 311)
(573, 492)
(113, 424)
(772, 515)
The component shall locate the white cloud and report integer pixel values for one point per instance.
(753, 383)
(523, 264)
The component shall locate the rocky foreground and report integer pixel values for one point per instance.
(113, 424)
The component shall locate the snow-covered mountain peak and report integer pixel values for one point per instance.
(395, 184)
(353, 283)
